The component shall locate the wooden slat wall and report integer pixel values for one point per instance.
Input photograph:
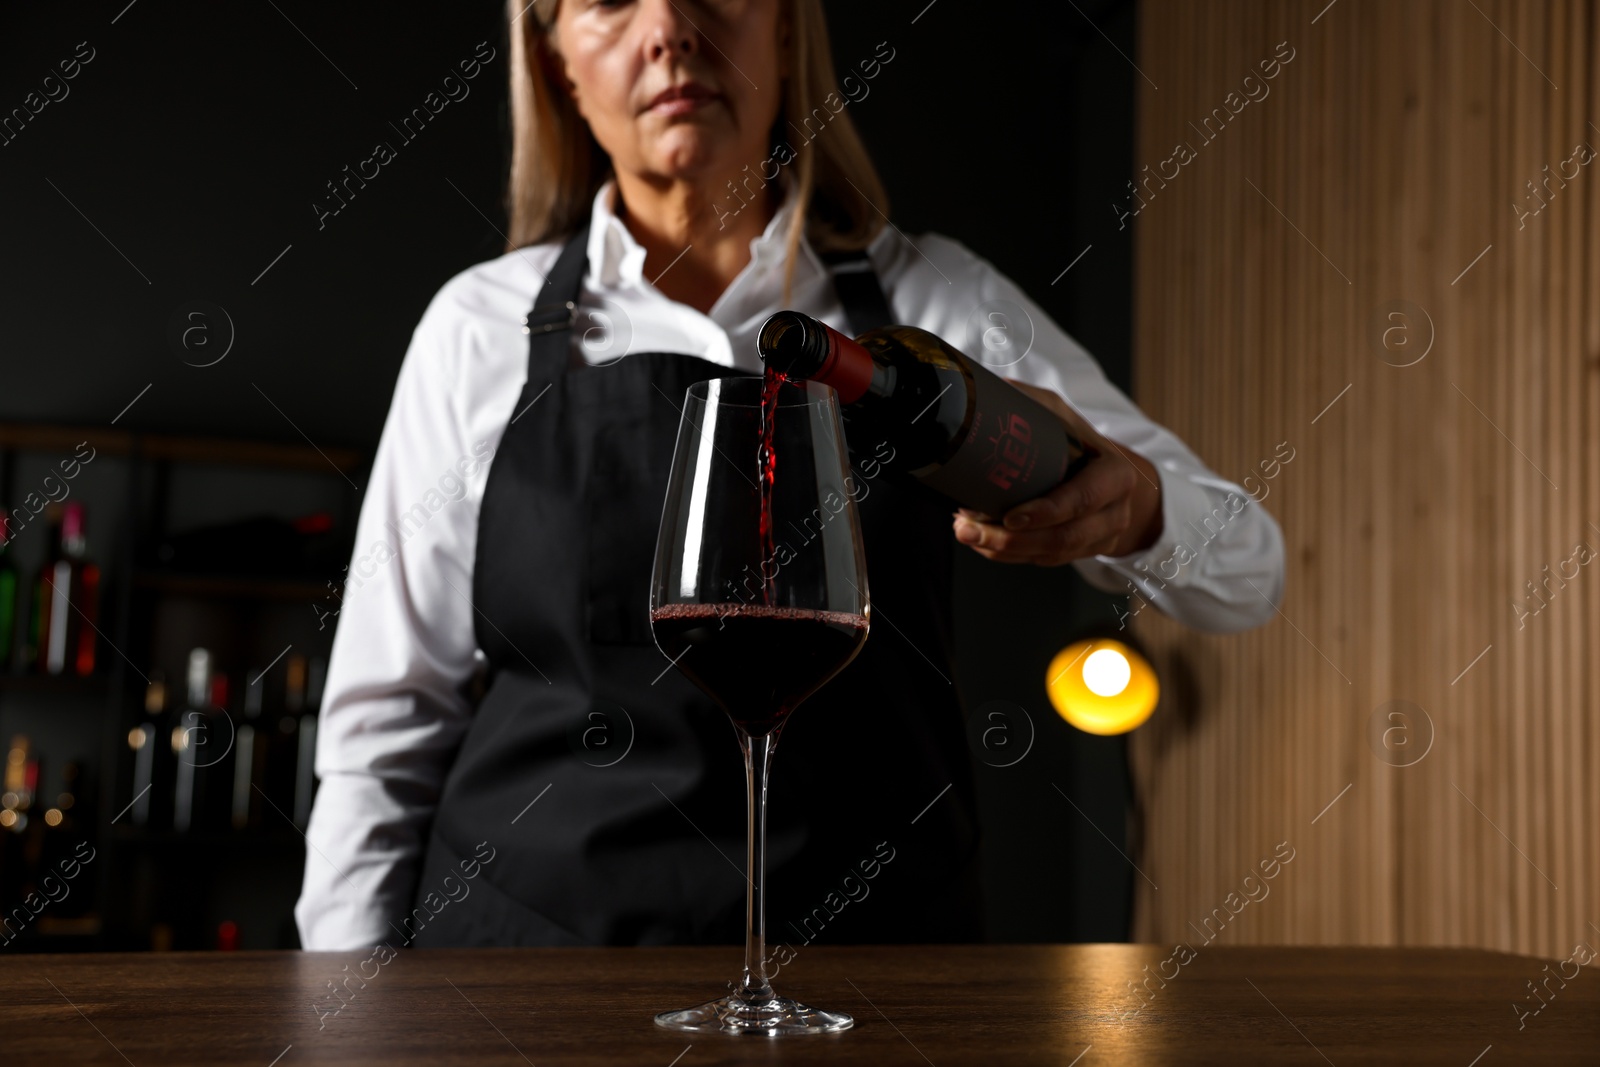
(1387, 157)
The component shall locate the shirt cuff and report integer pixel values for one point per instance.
(1181, 502)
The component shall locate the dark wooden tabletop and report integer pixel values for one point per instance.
(1063, 1005)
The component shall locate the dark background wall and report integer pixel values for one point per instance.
(184, 161)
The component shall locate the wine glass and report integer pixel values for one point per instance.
(759, 619)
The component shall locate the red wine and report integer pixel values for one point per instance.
(757, 662)
(767, 460)
(955, 425)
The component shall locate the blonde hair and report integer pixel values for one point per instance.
(557, 166)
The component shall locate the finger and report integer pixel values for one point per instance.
(1086, 536)
(1098, 484)
(970, 531)
(993, 537)
(1007, 556)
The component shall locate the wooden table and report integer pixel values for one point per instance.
(995, 1005)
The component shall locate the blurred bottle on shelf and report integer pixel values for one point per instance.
(190, 740)
(66, 598)
(20, 839)
(293, 774)
(250, 756)
(64, 816)
(151, 745)
(215, 758)
(63, 833)
(294, 688)
(283, 744)
(30, 636)
(61, 818)
(305, 782)
(9, 586)
(21, 782)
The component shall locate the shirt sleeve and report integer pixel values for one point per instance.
(1218, 564)
(395, 707)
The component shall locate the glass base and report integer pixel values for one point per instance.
(778, 1015)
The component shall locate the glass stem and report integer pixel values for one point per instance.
(757, 763)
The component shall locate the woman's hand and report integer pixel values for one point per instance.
(1109, 508)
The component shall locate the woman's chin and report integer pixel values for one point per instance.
(688, 154)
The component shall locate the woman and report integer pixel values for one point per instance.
(505, 756)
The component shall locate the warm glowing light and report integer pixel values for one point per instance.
(8, 818)
(136, 737)
(1102, 686)
(52, 817)
(1106, 672)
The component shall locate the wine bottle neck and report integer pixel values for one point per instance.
(848, 367)
(800, 346)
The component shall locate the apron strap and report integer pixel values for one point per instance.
(549, 324)
(856, 283)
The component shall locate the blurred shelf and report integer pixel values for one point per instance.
(49, 933)
(140, 837)
(231, 587)
(220, 450)
(49, 927)
(62, 684)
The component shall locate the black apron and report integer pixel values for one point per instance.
(636, 830)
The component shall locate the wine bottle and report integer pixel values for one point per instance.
(27, 657)
(151, 746)
(189, 738)
(283, 756)
(44, 597)
(953, 424)
(19, 838)
(8, 593)
(21, 774)
(67, 599)
(305, 782)
(64, 834)
(250, 756)
(68, 802)
(213, 796)
(85, 590)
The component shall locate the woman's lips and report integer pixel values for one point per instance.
(681, 99)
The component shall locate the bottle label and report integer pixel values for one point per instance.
(1015, 449)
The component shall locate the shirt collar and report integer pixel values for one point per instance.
(616, 259)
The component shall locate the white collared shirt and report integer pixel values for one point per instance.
(394, 708)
